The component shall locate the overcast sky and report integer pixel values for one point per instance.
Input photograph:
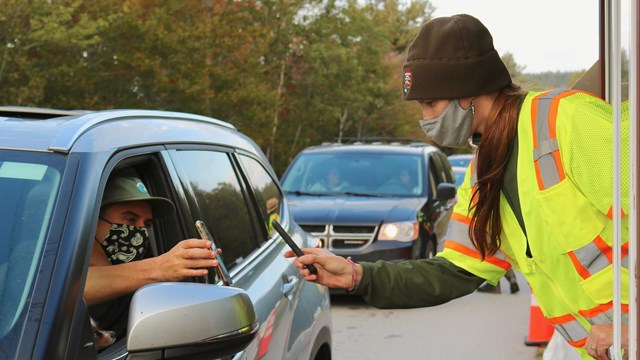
(542, 35)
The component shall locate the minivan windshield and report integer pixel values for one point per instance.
(356, 174)
(29, 184)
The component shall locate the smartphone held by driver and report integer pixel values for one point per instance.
(221, 269)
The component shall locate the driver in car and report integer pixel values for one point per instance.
(120, 262)
(332, 182)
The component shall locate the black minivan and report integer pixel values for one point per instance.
(372, 199)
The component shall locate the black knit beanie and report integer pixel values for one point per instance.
(451, 58)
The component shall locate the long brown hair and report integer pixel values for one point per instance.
(493, 152)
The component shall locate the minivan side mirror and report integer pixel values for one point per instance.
(445, 191)
(188, 319)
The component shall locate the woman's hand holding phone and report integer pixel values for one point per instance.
(320, 265)
(333, 271)
(294, 247)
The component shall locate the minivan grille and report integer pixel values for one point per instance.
(341, 229)
(342, 236)
(314, 228)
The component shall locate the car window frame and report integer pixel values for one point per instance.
(155, 173)
(193, 211)
(145, 160)
(443, 167)
(163, 175)
(163, 179)
(435, 177)
(253, 195)
(237, 272)
(447, 166)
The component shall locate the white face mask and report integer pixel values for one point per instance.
(452, 128)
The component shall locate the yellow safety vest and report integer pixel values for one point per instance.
(565, 177)
(274, 216)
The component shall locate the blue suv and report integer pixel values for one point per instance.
(53, 169)
(373, 198)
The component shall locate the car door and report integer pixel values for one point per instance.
(441, 170)
(216, 191)
(436, 210)
(154, 167)
(305, 321)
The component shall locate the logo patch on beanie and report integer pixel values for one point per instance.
(141, 188)
(407, 79)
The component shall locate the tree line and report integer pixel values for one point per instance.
(288, 73)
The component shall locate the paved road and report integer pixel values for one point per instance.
(478, 326)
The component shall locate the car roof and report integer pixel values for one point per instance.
(384, 145)
(65, 131)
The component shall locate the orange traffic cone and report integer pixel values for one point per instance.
(540, 329)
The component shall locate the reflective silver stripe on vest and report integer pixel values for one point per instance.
(543, 150)
(459, 232)
(474, 170)
(593, 259)
(607, 318)
(572, 331)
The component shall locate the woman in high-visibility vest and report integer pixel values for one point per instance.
(537, 196)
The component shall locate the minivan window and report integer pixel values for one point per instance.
(268, 195)
(442, 164)
(356, 173)
(221, 202)
(436, 175)
(28, 188)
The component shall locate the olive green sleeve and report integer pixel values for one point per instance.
(414, 283)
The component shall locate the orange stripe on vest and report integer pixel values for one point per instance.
(452, 245)
(610, 213)
(582, 271)
(461, 218)
(589, 313)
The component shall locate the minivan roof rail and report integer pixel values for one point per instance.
(380, 139)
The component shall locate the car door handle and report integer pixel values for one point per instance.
(289, 283)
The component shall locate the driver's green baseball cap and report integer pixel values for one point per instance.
(127, 189)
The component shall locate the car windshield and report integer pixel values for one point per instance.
(28, 187)
(459, 173)
(356, 174)
(460, 160)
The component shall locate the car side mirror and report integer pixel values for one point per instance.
(445, 191)
(186, 319)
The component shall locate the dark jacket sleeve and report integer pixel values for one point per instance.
(414, 283)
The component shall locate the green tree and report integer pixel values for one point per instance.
(343, 76)
(42, 50)
(288, 73)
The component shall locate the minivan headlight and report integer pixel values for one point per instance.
(399, 231)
